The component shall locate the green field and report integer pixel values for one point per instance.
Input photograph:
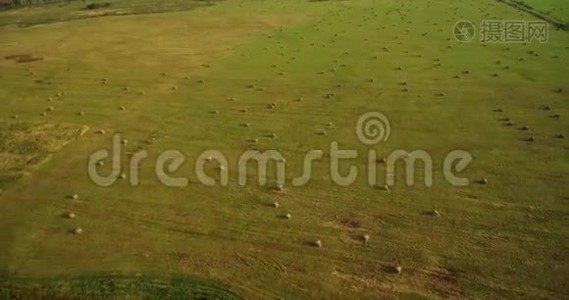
(186, 76)
(556, 8)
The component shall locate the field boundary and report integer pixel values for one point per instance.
(520, 5)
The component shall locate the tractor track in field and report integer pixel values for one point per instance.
(519, 5)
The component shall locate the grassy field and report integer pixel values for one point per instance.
(555, 8)
(155, 79)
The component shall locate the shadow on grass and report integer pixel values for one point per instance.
(105, 287)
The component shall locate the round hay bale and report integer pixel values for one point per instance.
(70, 215)
(243, 110)
(215, 112)
(275, 204)
(273, 135)
(299, 99)
(317, 243)
(49, 99)
(43, 114)
(397, 269)
(531, 139)
(435, 213)
(77, 230)
(174, 88)
(100, 131)
(278, 188)
(51, 108)
(122, 176)
(122, 108)
(484, 181)
(60, 94)
(81, 113)
(126, 89)
(365, 238)
(245, 124)
(100, 163)
(74, 196)
(124, 142)
(287, 216)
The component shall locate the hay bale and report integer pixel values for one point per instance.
(122, 176)
(100, 163)
(81, 113)
(70, 215)
(49, 99)
(73, 197)
(100, 131)
(299, 99)
(287, 216)
(124, 142)
(330, 125)
(397, 269)
(51, 108)
(275, 204)
(245, 124)
(77, 230)
(214, 112)
(272, 135)
(484, 181)
(60, 94)
(531, 139)
(122, 108)
(317, 243)
(365, 238)
(278, 188)
(174, 88)
(243, 110)
(126, 88)
(435, 213)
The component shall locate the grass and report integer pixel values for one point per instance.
(505, 239)
(113, 288)
(556, 8)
